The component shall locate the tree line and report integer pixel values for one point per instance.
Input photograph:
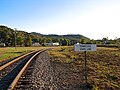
(15, 37)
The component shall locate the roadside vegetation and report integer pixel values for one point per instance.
(103, 67)
(12, 52)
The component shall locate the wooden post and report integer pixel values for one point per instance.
(85, 67)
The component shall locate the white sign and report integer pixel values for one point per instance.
(85, 47)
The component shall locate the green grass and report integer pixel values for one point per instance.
(11, 52)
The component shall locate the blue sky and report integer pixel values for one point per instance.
(92, 18)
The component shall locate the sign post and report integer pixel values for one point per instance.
(85, 67)
(84, 48)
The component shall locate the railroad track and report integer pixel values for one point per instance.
(9, 77)
(7, 67)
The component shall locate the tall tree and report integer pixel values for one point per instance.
(48, 40)
(20, 41)
(28, 41)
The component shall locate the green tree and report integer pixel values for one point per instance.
(20, 41)
(55, 40)
(43, 40)
(28, 41)
(48, 40)
(40, 40)
(82, 40)
(93, 41)
(73, 41)
(64, 42)
(118, 43)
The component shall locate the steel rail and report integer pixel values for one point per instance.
(13, 61)
(13, 84)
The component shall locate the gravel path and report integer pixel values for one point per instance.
(48, 75)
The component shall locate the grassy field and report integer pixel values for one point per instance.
(11, 52)
(103, 66)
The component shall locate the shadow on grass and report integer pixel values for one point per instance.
(86, 86)
(15, 52)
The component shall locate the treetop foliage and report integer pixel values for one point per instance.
(11, 37)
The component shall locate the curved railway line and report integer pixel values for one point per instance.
(11, 72)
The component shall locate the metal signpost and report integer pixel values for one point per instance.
(84, 48)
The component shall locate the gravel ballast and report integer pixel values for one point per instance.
(48, 75)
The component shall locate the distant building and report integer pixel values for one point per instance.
(36, 44)
(52, 44)
(118, 39)
(2, 44)
(106, 41)
(56, 44)
(48, 44)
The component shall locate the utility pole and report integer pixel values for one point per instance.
(15, 37)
